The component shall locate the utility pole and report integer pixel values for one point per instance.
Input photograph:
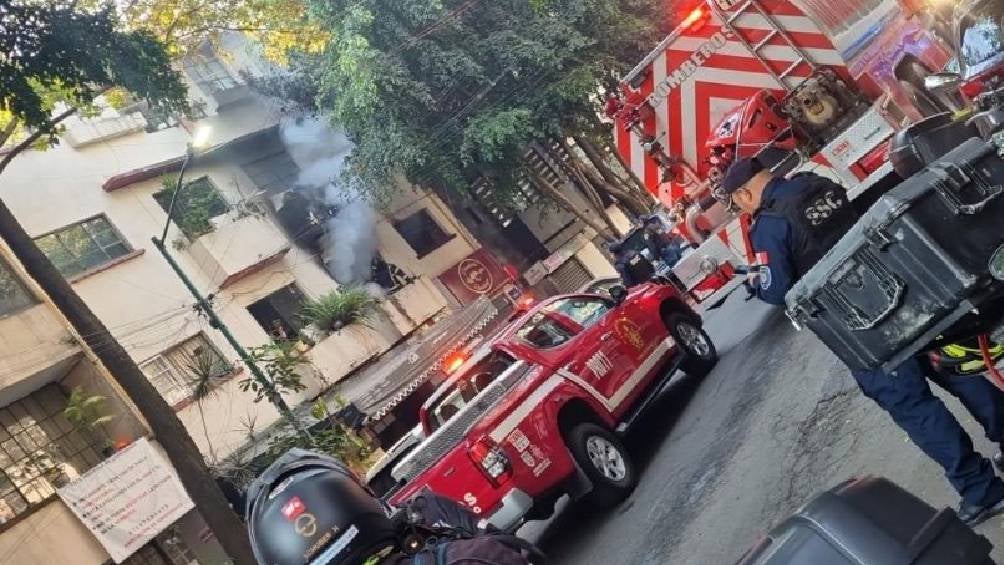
(167, 428)
(206, 307)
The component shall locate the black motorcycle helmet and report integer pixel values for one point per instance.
(309, 509)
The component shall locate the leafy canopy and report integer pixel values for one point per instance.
(280, 26)
(448, 90)
(55, 55)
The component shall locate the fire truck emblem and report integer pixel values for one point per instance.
(630, 333)
(475, 276)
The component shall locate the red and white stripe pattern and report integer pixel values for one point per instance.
(685, 118)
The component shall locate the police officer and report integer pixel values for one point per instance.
(795, 222)
(633, 267)
(662, 244)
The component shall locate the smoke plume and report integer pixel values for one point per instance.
(320, 152)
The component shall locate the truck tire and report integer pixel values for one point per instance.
(700, 355)
(603, 459)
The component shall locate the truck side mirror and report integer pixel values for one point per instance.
(942, 82)
(618, 293)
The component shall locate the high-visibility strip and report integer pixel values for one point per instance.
(523, 409)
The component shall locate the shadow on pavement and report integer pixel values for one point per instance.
(572, 523)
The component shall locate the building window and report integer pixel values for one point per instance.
(279, 313)
(13, 295)
(40, 451)
(422, 233)
(83, 246)
(197, 204)
(209, 73)
(274, 173)
(178, 372)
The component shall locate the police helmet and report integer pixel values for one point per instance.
(309, 509)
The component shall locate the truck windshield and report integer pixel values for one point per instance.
(474, 380)
(981, 34)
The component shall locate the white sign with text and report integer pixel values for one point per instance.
(128, 499)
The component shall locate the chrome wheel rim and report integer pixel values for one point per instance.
(606, 458)
(694, 340)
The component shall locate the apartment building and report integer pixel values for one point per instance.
(43, 448)
(246, 233)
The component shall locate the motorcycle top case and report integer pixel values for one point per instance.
(870, 521)
(912, 266)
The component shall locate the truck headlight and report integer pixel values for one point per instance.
(708, 266)
(997, 263)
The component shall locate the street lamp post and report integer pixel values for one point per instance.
(203, 305)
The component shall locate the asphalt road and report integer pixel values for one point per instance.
(724, 458)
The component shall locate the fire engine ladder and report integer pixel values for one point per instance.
(756, 49)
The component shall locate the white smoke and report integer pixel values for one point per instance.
(320, 152)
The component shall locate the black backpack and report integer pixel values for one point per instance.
(440, 531)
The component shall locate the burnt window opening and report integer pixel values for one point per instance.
(279, 313)
(422, 233)
(389, 276)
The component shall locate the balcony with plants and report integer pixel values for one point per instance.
(230, 240)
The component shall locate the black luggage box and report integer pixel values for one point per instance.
(926, 141)
(870, 522)
(915, 264)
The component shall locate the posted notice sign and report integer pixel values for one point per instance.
(128, 499)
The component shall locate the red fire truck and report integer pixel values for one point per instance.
(804, 84)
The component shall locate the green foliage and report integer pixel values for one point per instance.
(280, 361)
(339, 308)
(332, 438)
(197, 203)
(451, 90)
(278, 25)
(56, 54)
(86, 412)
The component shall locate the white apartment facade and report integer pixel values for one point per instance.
(94, 202)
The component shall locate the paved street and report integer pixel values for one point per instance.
(778, 420)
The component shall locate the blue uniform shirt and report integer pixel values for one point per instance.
(771, 239)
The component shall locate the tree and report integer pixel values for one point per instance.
(462, 90)
(55, 60)
(279, 26)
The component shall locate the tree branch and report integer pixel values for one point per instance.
(48, 128)
(8, 131)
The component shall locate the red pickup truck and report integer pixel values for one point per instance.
(536, 411)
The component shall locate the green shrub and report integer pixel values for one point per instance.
(339, 308)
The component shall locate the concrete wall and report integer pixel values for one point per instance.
(50, 535)
(32, 340)
(593, 260)
(395, 249)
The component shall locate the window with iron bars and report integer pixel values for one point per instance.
(83, 246)
(178, 372)
(40, 451)
(208, 72)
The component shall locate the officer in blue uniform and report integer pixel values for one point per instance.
(795, 222)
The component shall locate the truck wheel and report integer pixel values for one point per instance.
(700, 356)
(602, 457)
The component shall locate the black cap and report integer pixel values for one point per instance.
(740, 173)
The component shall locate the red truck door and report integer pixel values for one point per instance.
(610, 356)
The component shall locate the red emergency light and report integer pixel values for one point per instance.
(696, 19)
(454, 362)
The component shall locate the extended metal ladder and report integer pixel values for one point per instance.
(728, 20)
